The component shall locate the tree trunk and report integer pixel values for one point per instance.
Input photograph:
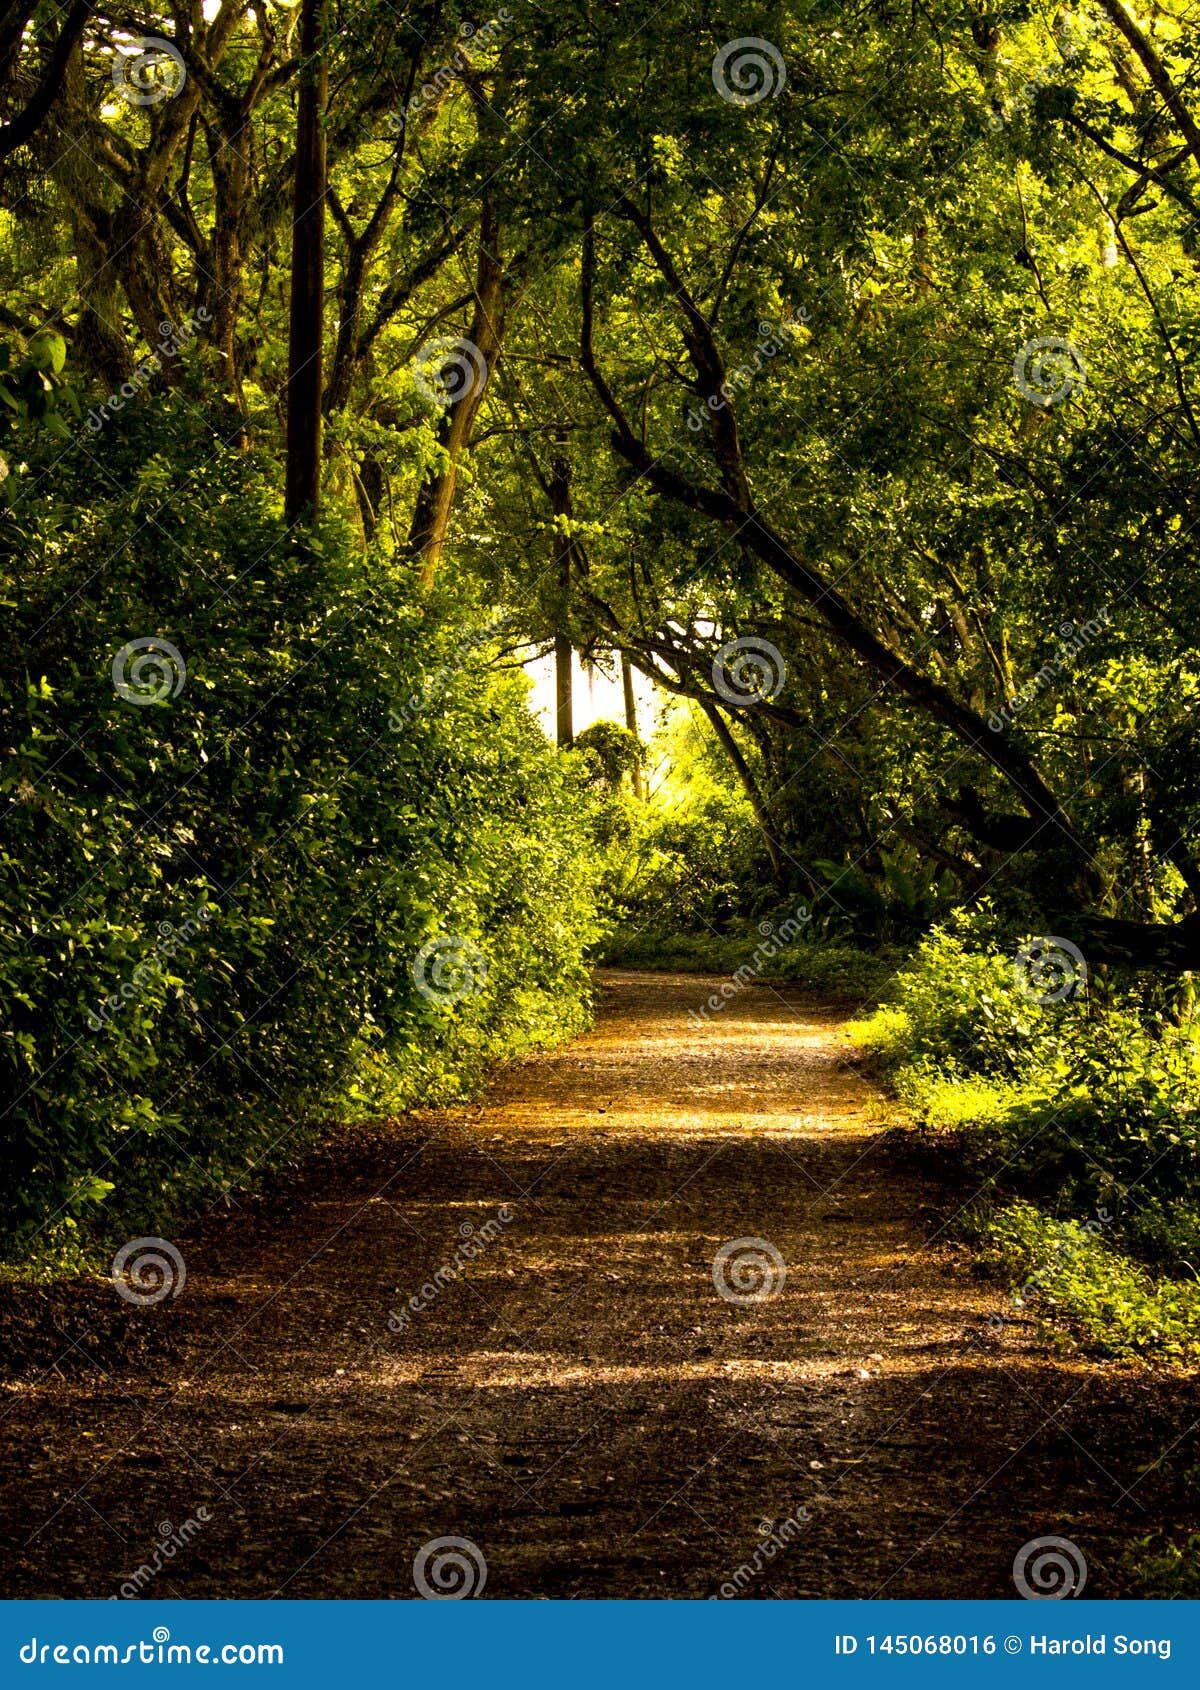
(560, 504)
(631, 722)
(307, 324)
(26, 122)
(230, 166)
(564, 728)
(431, 519)
(1153, 65)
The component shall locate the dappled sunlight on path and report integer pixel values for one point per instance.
(579, 1396)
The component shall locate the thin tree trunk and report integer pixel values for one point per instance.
(560, 504)
(230, 168)
(307, 324)
(564, 728)
(431, 519)
(631, 722)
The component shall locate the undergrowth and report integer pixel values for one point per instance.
(1062, 1099)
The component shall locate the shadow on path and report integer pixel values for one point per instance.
(578, 1398)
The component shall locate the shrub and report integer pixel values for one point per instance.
(695, 867)
(1160, 1569)
(610, 751)
(1067, 1267)
(1076, 1103)
(963, 1007)
(215, 902)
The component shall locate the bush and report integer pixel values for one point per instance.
(963, 1008)
(695, 867)
(1161, 1569)
(1079, 1103)
(1066, 1267)
(610, 751)
(219, 898)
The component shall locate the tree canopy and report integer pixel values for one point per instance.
(839, 378)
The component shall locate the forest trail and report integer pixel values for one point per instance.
(582, 1403)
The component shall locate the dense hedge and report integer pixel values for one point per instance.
(218, 905)
(1084, 1098)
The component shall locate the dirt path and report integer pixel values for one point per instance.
(582, 1403)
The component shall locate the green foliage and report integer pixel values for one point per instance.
(34, 395)
(962, 1006)
(875, 245)
(1166, 1232)
(1163, 1570)
(691, 886)
(835, 970)
(215, 899)
(611, 751)
(1084, 1104)
(1063, 1268)
(899, 896)
(691, 867)
(31, 383)
(690, 861)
